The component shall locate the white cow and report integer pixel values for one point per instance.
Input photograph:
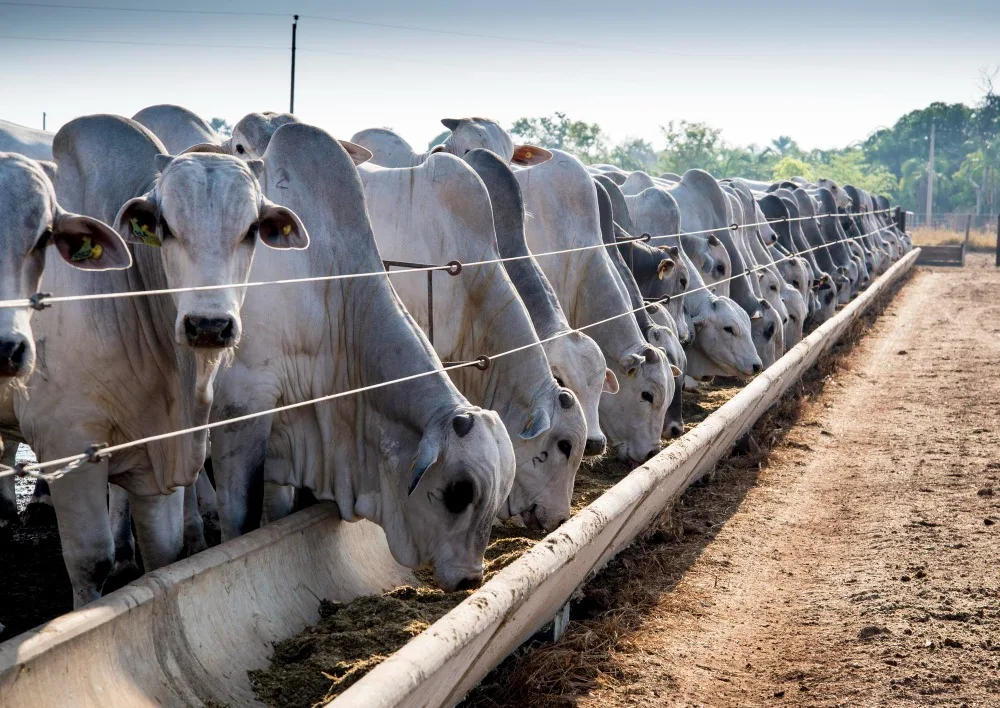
(414, 457)
(30, 142)
(440, 211)
(389, 149)
(562, 201)
(150, 362)
(32, 220)
(176, 127)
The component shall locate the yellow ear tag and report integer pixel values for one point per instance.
(527, 154)
(286, 229)
(86, 250)
(142, 232)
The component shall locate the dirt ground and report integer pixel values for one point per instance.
(857, 565)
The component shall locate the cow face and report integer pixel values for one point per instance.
(633, 419)
(665, 338)
(458, 480)
(30, 221)
(578, 364)
(206, 215)
(797, 309)
(765, 329)
(549, 453)
(723, 341)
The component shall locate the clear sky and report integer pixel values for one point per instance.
(825, 73)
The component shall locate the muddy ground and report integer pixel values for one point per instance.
(857, 563)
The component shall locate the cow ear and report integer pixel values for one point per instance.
(162, 162)
(89, 244)
(136, 221)
(674, 371)
(662, 270)
(357, 153)
(713, 240)
(427, 454)
(450, 123)
(49, 168)
(631, 363)
(280, 227)
(610, 382)
(256, 166)
(528, 155)
(536, 424)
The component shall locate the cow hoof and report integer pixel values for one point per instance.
(123, 572)
(37, 515)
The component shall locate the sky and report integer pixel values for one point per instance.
(826, 74)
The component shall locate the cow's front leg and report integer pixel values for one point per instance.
(121, 530)
(159, 527)
(80, 499)
(194, 527)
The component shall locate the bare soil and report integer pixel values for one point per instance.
(848, 555)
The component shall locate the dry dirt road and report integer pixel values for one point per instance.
(860, 566)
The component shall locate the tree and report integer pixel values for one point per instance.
(437, 140)
(585, 140)
(788, 167)
(222, 127)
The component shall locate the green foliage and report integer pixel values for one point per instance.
(438, 139)
(891, 161)
(221, 126)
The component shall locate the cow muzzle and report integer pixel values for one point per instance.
(203, 332)
(15, 356)
(595, 446)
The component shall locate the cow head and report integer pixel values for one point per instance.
(550, 450)
(723, 341)
(633, 419)
(441, 510)
(468, 134)
(579, 365)
(206, 214)
(31, 221)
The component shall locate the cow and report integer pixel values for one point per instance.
(440, 211)
(576, 360)
(559, 194)
(31, 221)
(150, 364)
(722, 344)
(30, 142)
(176, 127)
(467, 134)
(414, 457)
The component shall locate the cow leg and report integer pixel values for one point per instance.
(159, 527)
(208, 505)
(279, 501)
(121, 529)
(40, 511)
(238, 455)
(80, 500)
(194, 528)
(8, 497)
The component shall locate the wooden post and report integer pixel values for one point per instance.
(965, 244)
(998, 241)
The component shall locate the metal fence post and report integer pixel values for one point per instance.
(965, 244)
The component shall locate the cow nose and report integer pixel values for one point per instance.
(651, 454)
(675, 430)
(13, 355)
(757, 368)
(595, 446)
(470, 583)
(210, 332)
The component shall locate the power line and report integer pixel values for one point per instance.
(56, 6)
(144, 44)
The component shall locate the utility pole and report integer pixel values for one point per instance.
(930, 179)
(43, 120)
(291, 101)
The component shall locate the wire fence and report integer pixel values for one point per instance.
(98, 451)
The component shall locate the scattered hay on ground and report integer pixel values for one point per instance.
(984, 241)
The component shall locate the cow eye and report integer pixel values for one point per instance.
(251, 232)
(720, 269)
(458, 495)
(774, 288)
(684, 282)
(647, 396)
(565, 447)
(44, 240)
(240, 149)
(795, 284)
(730, 330)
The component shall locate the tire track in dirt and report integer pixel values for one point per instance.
(864, 566)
